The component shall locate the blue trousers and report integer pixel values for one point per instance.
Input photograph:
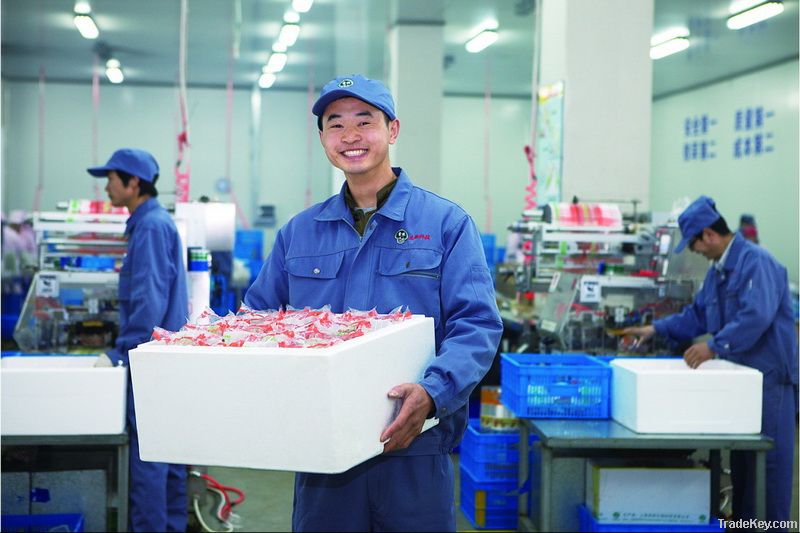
(158, 499)
(778, 422)
(386, 493)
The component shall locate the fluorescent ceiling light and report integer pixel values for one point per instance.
(82, 7)
(276, 62)
(114, 71)
(289, 34)
(266, 80)
(668, 35)
(291, 16)
(87, 27)
(278, 46)
(302, 6)
(481, 41)
(754, 15)
(669, 47)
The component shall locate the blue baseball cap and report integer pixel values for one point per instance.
(700, 214)
(135, 162)
(370, 91)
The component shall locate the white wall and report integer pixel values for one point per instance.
(764, 185)
(463, 129)
(147, 118)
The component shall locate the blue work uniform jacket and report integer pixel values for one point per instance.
(152, 280)
(418, 250)
(746, 307)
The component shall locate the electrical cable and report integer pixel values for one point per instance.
(229, 528)
(228, 506)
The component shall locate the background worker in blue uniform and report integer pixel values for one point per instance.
(152, 292)
(744, 304)
(381, 243)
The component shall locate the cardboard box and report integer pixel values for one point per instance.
(617, 493)
(61, 395)
(297, 409)
(666, 396)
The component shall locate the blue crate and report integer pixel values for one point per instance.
(589, 523)
(555, 385)
(497, 447)
(42, 522)
(489, 471)
(249, 244)
(489, 495)
(485, 518)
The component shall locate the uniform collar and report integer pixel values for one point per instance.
(394, 208)
(731, 254)
(140, 212)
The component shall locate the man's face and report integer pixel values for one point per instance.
(118, 193)
(702, 245)
(356, 138)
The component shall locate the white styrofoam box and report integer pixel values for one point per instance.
(61, 395)
(298, 409)
(644, 495)
(667, 396)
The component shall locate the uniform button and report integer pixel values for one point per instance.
(316, 271)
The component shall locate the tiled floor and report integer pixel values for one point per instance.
(268, 506)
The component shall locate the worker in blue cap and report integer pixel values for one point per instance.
(745, 305)
(383, 242)
(152, 292)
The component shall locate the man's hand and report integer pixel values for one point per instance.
(103, 361)
(642, 334)
(697, 354)
(417, 403)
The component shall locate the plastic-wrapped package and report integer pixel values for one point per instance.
(284, 328)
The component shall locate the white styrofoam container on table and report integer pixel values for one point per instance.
(631, 494)
(297, 409)
(61, 395)
(650, 395)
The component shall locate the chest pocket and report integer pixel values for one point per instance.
(315, 267)
(410, 262)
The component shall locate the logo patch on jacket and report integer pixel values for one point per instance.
(401, 236)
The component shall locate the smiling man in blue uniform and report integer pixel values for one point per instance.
(152, 292)
(745, 305)
(381, 243)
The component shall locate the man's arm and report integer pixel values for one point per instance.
(759, 296)
(472, 333)
(150, 275)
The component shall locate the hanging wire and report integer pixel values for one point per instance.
(487, 118)
(95, 113)
(182, 161)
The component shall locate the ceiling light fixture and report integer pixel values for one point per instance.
(86, 25)
(278, 46)
(276, 62)
(289, 34)
(302, 6)
(481, 41)
(82, 7)
(114, 71)
(754, 15)
(266, 80)
(291, 17)
(667, 48)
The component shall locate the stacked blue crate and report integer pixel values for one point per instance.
(555, 385)
(489, 477)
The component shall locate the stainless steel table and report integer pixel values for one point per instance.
(119, 498)
(564, 446)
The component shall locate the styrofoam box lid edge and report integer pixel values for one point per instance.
(644, 365)
(155, 346)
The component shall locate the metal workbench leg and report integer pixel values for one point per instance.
(546, 488)
(715, 464)
(761, 486)
(122, 487)
(523, 477)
